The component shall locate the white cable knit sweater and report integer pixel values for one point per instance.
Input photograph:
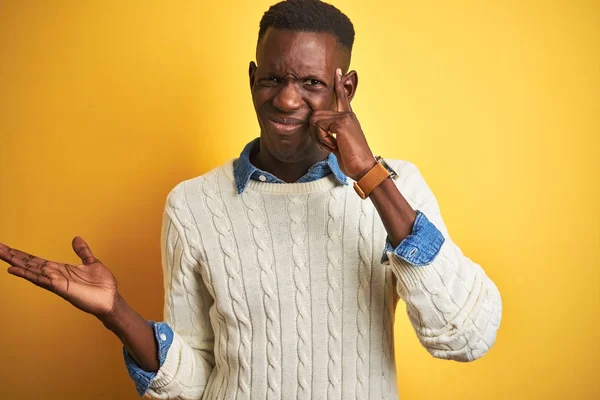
(279, 293)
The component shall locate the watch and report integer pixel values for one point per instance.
(373, 178)
(393, 173)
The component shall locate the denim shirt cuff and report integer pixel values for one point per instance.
(164, 338)
(420, 247)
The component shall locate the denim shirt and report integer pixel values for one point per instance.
(418, 249)
(244, 171)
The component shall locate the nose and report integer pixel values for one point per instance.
(287, 99)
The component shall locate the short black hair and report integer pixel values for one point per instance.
(309, 16)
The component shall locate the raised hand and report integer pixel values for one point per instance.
(89, 286)
(340, 132)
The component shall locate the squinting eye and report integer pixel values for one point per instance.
(270, 81)
(312, 82)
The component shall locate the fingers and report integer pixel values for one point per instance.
(318, 115)
(338, 87)
(24, 265)
(323, 138)
(49, 275)
(18, 258)
(327, 129)
(326, 138)
(327, 124)
(83, 250)
(332, 125)
(34, 269)
(343, 103)
(35, 275)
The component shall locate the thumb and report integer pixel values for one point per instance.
(83, 250)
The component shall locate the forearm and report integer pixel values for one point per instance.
(396, 214)
(135, 334)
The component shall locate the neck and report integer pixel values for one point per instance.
(288, 172)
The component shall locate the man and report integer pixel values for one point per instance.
(283, 268)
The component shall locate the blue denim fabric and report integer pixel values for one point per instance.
(164, 338)
(243, 170)
(420, 247)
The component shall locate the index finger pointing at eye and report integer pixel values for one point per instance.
(343, 104)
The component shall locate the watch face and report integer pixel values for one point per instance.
(393, 173)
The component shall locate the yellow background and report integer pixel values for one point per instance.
(106, 105)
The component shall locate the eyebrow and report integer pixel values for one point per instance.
(308, 75)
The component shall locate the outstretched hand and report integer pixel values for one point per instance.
(89, 286)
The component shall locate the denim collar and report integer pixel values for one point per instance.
(244, 171)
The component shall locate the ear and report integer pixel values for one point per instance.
(350, 84)
(252, 73)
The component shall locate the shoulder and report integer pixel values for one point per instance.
(410, 181)
(408, 173)
(402, 167)
(198, 185)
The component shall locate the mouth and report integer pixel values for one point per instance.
(286, 125)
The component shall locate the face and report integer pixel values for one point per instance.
(293, 78)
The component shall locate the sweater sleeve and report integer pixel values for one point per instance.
(454, 307)
(190, 358)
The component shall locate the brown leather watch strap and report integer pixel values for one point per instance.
(371, 180)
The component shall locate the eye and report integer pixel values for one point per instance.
(312, 82)
(271, 81)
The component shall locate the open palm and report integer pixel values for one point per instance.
(89, 286)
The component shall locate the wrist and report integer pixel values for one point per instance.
(115, 316)
(368, 165)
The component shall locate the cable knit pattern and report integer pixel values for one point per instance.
(179, 212)
(386, 339)
(208, 186)
(297, 210)
(268, 291)
(364, 303)
(176, 202)
(334, 295)
(268, 279)
(235, 284)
